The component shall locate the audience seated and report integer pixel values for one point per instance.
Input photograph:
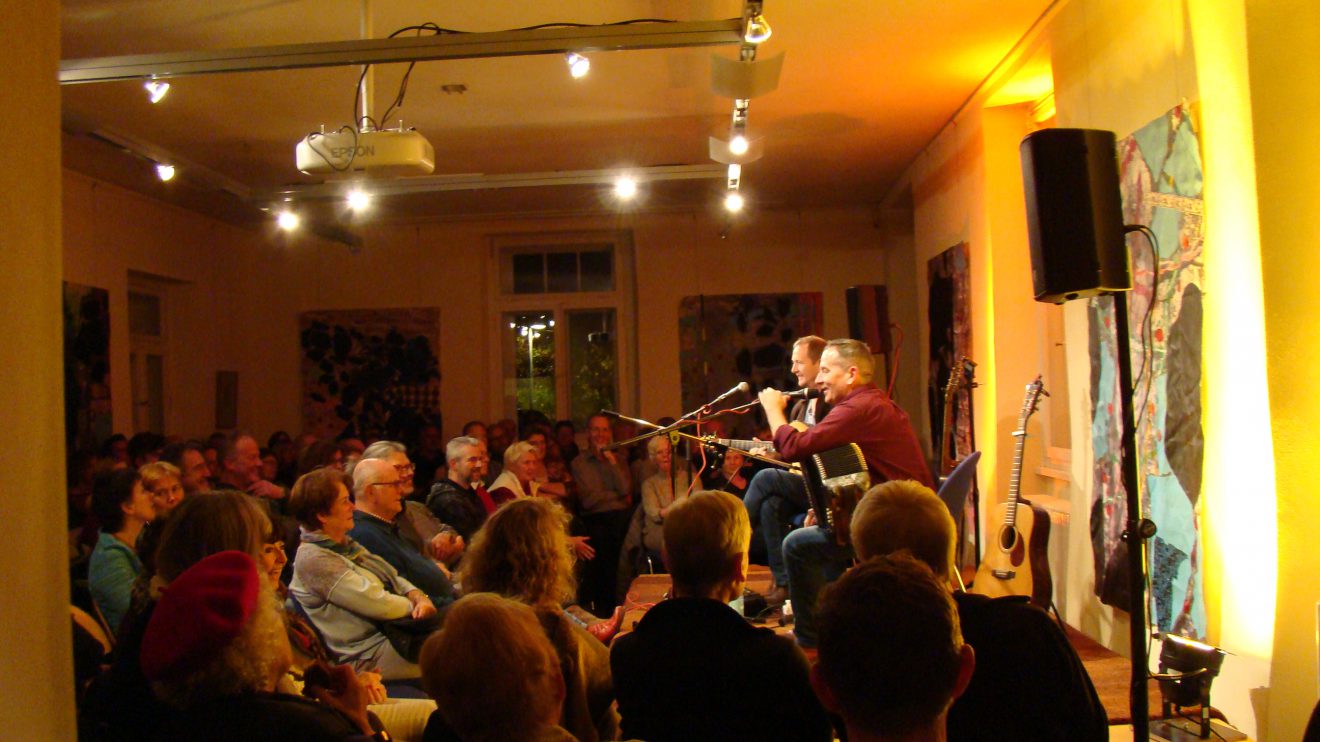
(521, 463)
(144, 448)
(659, 493)
(345, 589)
(1029, 683)
(404, 718)
(693, 668)
(523, 552)
(160, 480)
(120, 704)
(542, 484)
(123, 509)
(459, 500)
(417, 524)
(494, 675)
(215, 648)
(378, 507)
(566, 438)
(499, 436)
(429, 456)
(320, 454)
(189, 459)
(891, 658)
(240, 468)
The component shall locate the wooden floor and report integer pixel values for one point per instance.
(1109, 671)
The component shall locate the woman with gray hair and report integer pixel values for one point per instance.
(659, 493)
(522, 461)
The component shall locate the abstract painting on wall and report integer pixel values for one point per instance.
(87, 420)
(741, 337)
(1160, 168)
(370, 371)
(949, 312)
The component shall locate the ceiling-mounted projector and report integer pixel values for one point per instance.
(373, 152)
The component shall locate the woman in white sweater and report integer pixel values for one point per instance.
(346, 590)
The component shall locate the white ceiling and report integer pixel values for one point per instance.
(865, 86)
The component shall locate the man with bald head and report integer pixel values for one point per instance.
(378, 492)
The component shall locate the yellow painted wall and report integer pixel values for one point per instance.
(35, 660)
(228, 305)
(1282, 36)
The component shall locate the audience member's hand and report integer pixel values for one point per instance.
(583, 549)
(810, 520)
(266, 489)
(346, 695)
(376, 692)
(422, 605)
(446, 545)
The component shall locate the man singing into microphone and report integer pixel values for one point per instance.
(859, 413)
(772, 508)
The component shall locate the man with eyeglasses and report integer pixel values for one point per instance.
(417, 524)
(378, 489)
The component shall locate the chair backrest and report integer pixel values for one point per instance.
(958, 485)
(93, 626)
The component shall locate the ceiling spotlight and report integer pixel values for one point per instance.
(625, 188)
(735, 175)
(287, 220)
(164, 172)
(358, 199)
(757, 29)
(156, 89)
(733, 202)
(738, 145)
(578, 65)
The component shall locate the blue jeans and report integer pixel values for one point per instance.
(814, 560)
(773, 498)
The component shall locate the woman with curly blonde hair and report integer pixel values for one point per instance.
(523, 552)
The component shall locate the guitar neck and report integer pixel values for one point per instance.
(1015, 479)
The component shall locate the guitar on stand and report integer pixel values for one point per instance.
(1017, 561)
(960, 378)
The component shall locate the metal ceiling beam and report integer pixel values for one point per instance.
(477, 182)
(405, 49)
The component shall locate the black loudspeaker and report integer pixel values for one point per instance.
(1074, 214)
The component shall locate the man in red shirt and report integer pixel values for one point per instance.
(859, 413)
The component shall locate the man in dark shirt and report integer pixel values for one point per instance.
(604, 486)
(895, 682)
(459, 500)
(378, 502)
(1029, 682)
(683, 673)
(859, 413)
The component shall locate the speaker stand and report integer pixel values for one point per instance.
(1135, 533)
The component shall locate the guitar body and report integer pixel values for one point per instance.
(1016, 559)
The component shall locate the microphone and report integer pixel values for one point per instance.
(804, 393)
(743, 387)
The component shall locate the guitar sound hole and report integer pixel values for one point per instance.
(1008, 539)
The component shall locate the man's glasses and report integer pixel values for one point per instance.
(405, 469)
(395, 483)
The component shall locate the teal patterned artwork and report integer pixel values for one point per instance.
(1160, 168)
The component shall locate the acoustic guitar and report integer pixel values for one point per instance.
(1017, 562)
(960, 377)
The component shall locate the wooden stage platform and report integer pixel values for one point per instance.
(1109, 671)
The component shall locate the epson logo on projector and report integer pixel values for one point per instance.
(376, 152)
(340, 153)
